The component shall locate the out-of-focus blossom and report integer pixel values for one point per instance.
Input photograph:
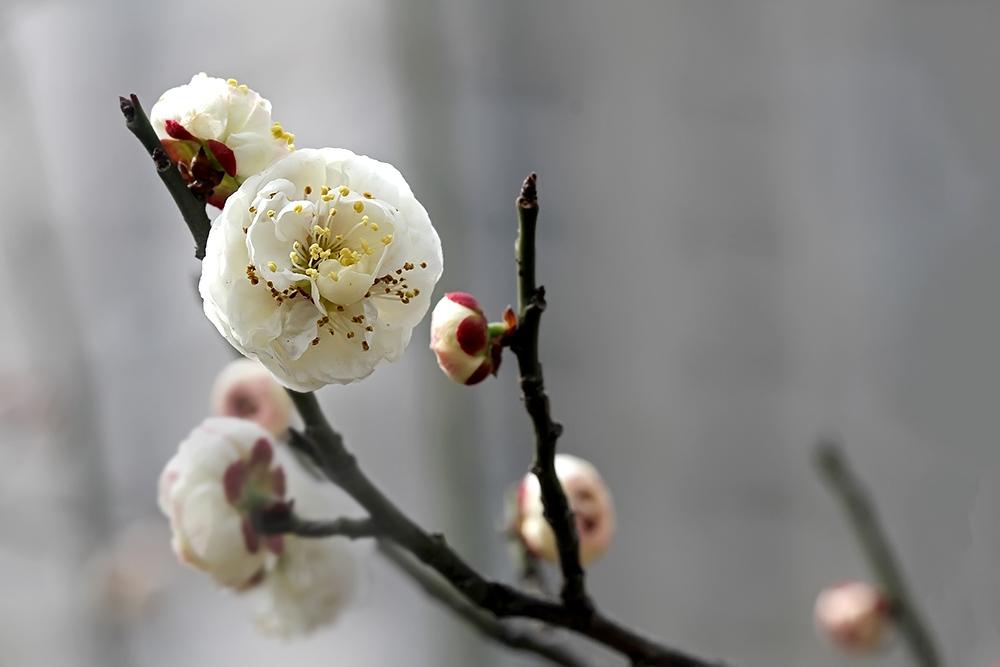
(246, 390)
(308, 587)
(221, 473)
(219, 132)
(589, 499)
(320, 267)
(853, 616)
(133, 570)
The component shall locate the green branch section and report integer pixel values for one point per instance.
(860, 510)
(486, 601)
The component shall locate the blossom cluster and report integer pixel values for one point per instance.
(317, 268)
(321, 261)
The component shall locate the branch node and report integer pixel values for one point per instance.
(160, 159)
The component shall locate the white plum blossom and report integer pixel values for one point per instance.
(589, 499)
(853, 616)
(219, 132)
(246, 390)
(461, 341)
(222, 472)
(308, 587)
(320, 267)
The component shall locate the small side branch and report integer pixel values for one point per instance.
(836, 472)
(192, 209)
(513, 635)
(281, 521)
(531, 304)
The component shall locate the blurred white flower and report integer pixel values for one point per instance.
(589, 499)
(246, 390)
(219, 132)
(853, 616)
(320, 267)
(132, 570)
(221, 472)
(460, 339)
(310, 584)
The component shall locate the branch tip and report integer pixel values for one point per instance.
(128, 108)
(529, 192)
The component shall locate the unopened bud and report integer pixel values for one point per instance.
(246, 390)
(466, 345)
(590, 501)
(853, 616)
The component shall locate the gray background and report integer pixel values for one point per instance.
(762, 221)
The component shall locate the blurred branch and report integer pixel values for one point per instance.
(530, 305)
(533, 640)
(281, 520)
(192, 209)
(836, 472)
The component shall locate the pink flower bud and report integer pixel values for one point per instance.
(853, 616)
(246, 390)
(590, 501)
(460, 338)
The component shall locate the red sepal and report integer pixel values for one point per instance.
(177, 131)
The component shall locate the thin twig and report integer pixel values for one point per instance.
(836, 472)
(514, 635)
(192, 209)
(530, 305)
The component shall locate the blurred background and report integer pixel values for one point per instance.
(761, 221)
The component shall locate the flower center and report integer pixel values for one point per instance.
(328, 245)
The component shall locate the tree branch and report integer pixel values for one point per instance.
(192, 209)
(503, 631)
(322, 444)
(326, 446)
(530, 305)
(836, 472)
